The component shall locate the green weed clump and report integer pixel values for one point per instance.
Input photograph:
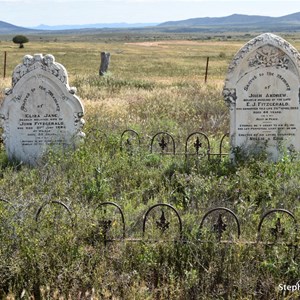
(52, 252)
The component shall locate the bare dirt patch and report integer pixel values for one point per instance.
(163, 44)
(166, 44)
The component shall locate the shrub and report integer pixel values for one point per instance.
(21, 40)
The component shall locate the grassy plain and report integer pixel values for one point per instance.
(152, 85)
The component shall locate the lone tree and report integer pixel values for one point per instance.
(20, 39)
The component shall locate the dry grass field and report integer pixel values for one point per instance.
(145, 80)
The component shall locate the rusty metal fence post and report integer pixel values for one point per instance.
(4, 64)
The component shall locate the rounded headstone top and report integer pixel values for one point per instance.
(39, 62)
(266, 58)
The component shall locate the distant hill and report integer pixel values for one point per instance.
(93, 26)
(229, 20)
(7, 28)
(237, 21)
(292, 18)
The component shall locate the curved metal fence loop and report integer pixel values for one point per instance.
(163, 143)
(226, 135)
(97, 134)
(163, 224)
(198, 144)
(5, 201)
(57, 202)
(106, 224)
(128, 143)
(220, 226)
(278, 230)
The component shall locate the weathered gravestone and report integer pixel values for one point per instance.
(40, 110)
(262, 90)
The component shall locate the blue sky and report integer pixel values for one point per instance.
(29, 13)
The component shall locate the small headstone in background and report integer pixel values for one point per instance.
(105, 59)
(262, 90)
(40, 110)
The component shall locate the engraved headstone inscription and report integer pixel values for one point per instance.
(262, 90)
(40, 110)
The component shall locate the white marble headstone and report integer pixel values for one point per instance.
(262, 90)
(40, 110)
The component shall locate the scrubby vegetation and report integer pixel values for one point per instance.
(50, 252)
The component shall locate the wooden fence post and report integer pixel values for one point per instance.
(206, 70)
